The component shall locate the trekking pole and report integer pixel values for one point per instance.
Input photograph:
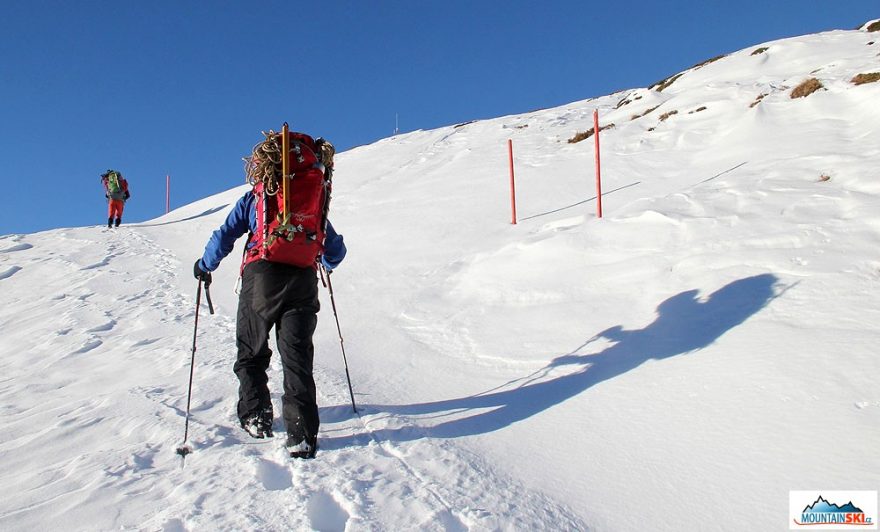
(184, 448)
(208, 298)
(341, 341)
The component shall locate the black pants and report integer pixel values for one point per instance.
(285, 297)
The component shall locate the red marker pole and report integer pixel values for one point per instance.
(167, 193)
(512, 185)
(598, 165)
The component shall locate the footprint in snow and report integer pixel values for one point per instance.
(325, 513)
(10, 272)
(104, 327)
(103, 262)
(273, 476)
(174, 525)
(86, 347)
(145, 342)
(16, 247)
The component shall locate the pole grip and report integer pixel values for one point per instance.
(208, 299)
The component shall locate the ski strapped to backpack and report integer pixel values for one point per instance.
(292, 175)
(111, 181)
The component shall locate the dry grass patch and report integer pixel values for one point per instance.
(587, 134)
(874, 26)
(760, 50)
(707, 61)
(824, 177)
(666, 115)
(806, 88)
(697, 110)
(757, 100)
(627, 100)
(870, 77)
(665, 83)
(583, 135)
(633, 117)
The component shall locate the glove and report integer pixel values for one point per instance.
(127, 195)
(107, 196)
(327, 264)
(201, 274)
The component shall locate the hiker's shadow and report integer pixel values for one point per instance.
(684, 324)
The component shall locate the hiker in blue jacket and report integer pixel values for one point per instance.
(284, 296)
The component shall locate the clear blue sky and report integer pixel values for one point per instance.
(184, 87)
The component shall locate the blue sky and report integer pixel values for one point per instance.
(184, 88)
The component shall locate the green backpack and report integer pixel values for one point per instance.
(112, 181)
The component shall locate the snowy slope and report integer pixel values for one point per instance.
(708, 344)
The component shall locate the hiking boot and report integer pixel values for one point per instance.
(300, 447)
(258, 425)
(253, 426)
(109, 222)
(118, 221)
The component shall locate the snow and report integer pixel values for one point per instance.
(680, 364)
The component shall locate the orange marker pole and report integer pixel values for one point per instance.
(598, 165)
(512, 185)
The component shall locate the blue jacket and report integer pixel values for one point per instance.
(243, 219)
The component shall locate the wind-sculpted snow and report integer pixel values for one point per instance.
(656, 369)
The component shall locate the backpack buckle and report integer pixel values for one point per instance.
(297, 149)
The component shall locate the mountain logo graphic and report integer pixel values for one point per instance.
(822, 512)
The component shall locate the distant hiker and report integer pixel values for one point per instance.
(116, 192)
(279, 284)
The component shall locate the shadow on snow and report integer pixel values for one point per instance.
(684, 324)
(193, 217)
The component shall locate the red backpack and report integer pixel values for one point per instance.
(296, 237)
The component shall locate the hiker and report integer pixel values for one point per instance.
(116, 192)
(279, 284)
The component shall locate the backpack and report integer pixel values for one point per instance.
(112, 181)
(296, 238)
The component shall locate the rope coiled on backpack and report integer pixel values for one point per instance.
(264, 164)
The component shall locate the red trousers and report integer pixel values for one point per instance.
(115, 208)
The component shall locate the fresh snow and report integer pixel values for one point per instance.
(680, 364)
